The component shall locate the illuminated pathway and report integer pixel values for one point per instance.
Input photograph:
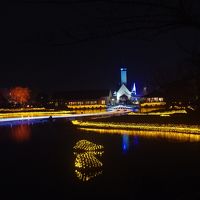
(177, 136)
(177, 131)
(9, 117)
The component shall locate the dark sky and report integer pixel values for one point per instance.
(51, 46)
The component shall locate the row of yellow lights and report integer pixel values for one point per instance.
(20, 109)
(34, 114)
(183, 137)
(153, 104)
(87, 160)
(83, 176)
(87, 145)
(166, 113)
(87, 106)
(194, 129)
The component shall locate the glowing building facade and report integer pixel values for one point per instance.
(123, 76)
(91, 99)
(123, 95)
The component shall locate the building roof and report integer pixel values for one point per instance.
(80, 95)
(123, 90)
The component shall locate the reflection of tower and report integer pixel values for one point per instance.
(87, 165)
(123, 76)
(125, 143)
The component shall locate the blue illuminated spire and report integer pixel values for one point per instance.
(123, 76)
(133, 89)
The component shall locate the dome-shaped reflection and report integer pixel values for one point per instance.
(87, 163)
(87, 146)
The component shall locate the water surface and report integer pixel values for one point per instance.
(51, 159)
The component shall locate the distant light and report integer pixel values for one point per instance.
(125, 143)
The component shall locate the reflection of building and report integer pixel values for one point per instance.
(92, 99)
(87, 164)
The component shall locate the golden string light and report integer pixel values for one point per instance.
(183, 137)
(87, 165)
(179, 128)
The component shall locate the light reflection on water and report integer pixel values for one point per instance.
(125, 143)
(41, 165)
(182, 137)
(87, 163)
(20, 122)
(20, 133)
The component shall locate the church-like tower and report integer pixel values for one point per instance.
(123, 76)
(133, 92)
(123, 91)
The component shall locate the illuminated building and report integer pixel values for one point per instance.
(177, 94)
(124, 95)
(93, 99)
(154, 99)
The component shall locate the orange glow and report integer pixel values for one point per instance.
(20, 94)
(21, 133)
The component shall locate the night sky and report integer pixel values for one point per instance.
(72, 46)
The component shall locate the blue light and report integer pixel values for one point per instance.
(135, 140)
(134, 89)
(21, 122)
(124, 147)
(123, 76)
(125, 143)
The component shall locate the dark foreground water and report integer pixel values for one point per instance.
(39, 161)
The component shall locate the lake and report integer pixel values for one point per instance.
(42, 159)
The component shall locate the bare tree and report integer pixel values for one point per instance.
(19, 95)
